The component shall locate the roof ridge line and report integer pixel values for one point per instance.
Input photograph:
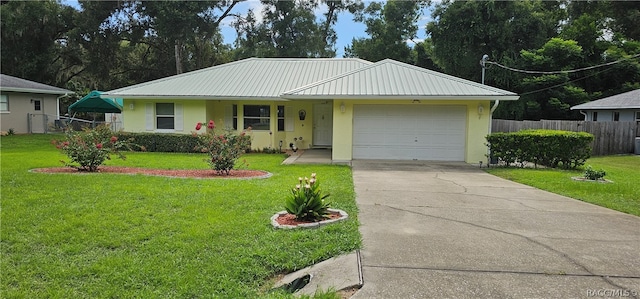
(447, 76)
(401, 64)
(333, 78)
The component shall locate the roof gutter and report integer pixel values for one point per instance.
(194, 97)
(604, 108)
(39, 91)
(397, 97)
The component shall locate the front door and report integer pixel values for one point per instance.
(322, 124)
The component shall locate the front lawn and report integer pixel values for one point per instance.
(126, 236)
(623, 195)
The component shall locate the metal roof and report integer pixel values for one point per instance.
(627, 100)
(252, 78)
(10, 83)
(391, 79)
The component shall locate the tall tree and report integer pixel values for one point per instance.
(463, 31)
(389, 27)
(34, 40)
(550, 96)
(334, 8)
(190, 25)
(288, 29)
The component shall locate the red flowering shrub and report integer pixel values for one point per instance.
(90, 148)
(224, 149)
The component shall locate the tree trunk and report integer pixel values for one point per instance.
(178, 58)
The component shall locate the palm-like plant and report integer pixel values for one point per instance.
(306, 201)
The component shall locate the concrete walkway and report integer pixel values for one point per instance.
(309, 156)
(450, 230)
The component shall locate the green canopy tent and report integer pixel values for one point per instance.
(93, 102)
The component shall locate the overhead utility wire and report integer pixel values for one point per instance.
(565, 83)
(562, 72)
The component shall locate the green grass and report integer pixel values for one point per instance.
(623, 195)
(109, 235)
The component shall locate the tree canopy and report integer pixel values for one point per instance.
(110, 44)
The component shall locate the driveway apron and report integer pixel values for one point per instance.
(450, 230)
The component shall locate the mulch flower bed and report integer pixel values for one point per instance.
(290, 219)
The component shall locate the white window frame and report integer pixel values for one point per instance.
(172, 116)
(262, 118)
(281, 118)
(37, 104)
(637, 115)
(4, 103)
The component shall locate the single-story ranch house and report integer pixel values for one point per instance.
(359, 109)
(27, 106)
(620, 107)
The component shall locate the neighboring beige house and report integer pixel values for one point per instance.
(27, 106)
(359, 109)
(620, 107)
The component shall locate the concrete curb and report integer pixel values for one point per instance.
(338, 273)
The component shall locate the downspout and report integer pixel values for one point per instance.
(58, 104)
(495, 106)
(584, 113)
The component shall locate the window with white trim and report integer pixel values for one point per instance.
(37, 105)
(258, 117)
(165, 116)
(4, 103)
(280, 118)
(235, 116)
(638, 116)
(616, 116)
(594, 116)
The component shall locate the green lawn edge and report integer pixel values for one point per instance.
(110, 235)
(623, 194)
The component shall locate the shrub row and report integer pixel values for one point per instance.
(551, 148)
(170, 143)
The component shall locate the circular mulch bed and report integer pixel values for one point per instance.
(178, 173)
(285, 220)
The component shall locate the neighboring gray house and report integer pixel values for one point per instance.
(27, 106)
(621, 107)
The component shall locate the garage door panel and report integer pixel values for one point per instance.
(408, 132)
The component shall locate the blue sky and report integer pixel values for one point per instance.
(346, 28)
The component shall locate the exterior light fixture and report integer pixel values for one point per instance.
(480, 109)
(132, 106)
(343, 108)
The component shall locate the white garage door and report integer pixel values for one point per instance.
(409, 132)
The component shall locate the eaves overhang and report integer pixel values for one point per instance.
(401, 97)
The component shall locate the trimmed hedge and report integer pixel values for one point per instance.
(156, 142)
(551, 148)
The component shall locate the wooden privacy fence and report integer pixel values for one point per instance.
(615, 137)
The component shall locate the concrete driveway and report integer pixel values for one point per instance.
(450, 230)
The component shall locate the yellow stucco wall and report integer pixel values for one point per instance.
(134, 120)
(194, 111)
(477, 126)
(476, 130)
